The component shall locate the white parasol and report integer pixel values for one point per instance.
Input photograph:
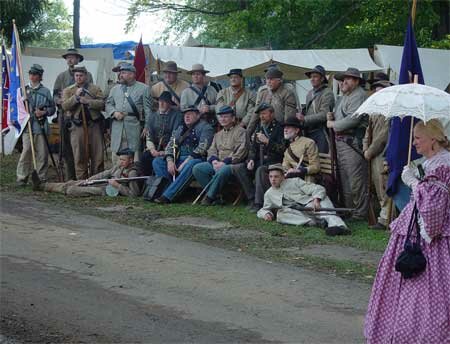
(420, 101)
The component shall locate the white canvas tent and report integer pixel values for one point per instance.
(435, 64)
(98, 61)
(294, 63)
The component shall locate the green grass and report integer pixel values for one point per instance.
(271, 246)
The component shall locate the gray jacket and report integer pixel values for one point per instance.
(39, 97)
(117, 101)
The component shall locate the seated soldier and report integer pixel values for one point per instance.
(285, 196)
(160, 127)
(229, 147)
(187, 147)
(301, 158)
(267, 146)
(124, 169)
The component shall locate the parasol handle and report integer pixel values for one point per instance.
(411, 129)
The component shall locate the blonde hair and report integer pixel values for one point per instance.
(434, 129)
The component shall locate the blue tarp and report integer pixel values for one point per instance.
(119, 49)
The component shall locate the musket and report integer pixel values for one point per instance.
(334, 164)
(330, 210)
(86, 140)
(205, 189)
(44, 134)
(372, 219)
(104, 181)
(174, 151)
(61, 124)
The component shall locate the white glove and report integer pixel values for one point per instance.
(408, 177)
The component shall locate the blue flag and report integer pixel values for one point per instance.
(397, 149)
(17, 114)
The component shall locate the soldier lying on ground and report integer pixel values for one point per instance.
(124, 169)
(286, 196)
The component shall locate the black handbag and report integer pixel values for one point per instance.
(411, 262)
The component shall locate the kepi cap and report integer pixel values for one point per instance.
(36, 69)
(226, 109)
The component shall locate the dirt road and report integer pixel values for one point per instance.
(72, 277)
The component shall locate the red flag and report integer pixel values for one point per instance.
(139, 62)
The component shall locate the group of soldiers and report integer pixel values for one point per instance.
(265, 144)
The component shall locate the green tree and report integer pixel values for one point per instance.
(56, 25)
(27, 14)
(298, 24)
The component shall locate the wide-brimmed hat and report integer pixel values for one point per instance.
(274, 73)
(36, 69)
(190, 108)
(264, 106)
(381, 83)
(272, 65)
(226, 109)
(350, 72)
(198, 67)
(277, 167)
(379, 76)
(80, 69)
(125, 151)
(116, 68)
(236, 71)
(293, 122)
(166, 97)
(319, 70)
(171, 67)
(127, 67)
(73, 51)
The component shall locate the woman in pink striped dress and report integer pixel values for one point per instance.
(417, 310)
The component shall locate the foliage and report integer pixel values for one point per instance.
(294, 24)
(56, 25)
(27, 14)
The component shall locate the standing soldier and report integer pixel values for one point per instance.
(160, 127)
(319, 101)
(200, 94)
(267, 146)
(374, 147)
(64, 80)
(171, 84)
(41, 105)
(82, 105)
(240, 99)
(350, 132)
(128, 105)
(282, 98)
(228, 148)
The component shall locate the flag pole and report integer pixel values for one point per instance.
(415, 81)
(24, 94)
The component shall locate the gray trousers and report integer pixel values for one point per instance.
(25, 165)
(353, 174)
(252, 191)
(72, 189)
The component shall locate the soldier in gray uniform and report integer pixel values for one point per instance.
(275, 93)
(350, 132)
(41, 105)
(64, 80)
(240, 99)
(319, 101)
(128, 105)
(200, 94)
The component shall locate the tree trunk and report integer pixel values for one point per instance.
(76, 24)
